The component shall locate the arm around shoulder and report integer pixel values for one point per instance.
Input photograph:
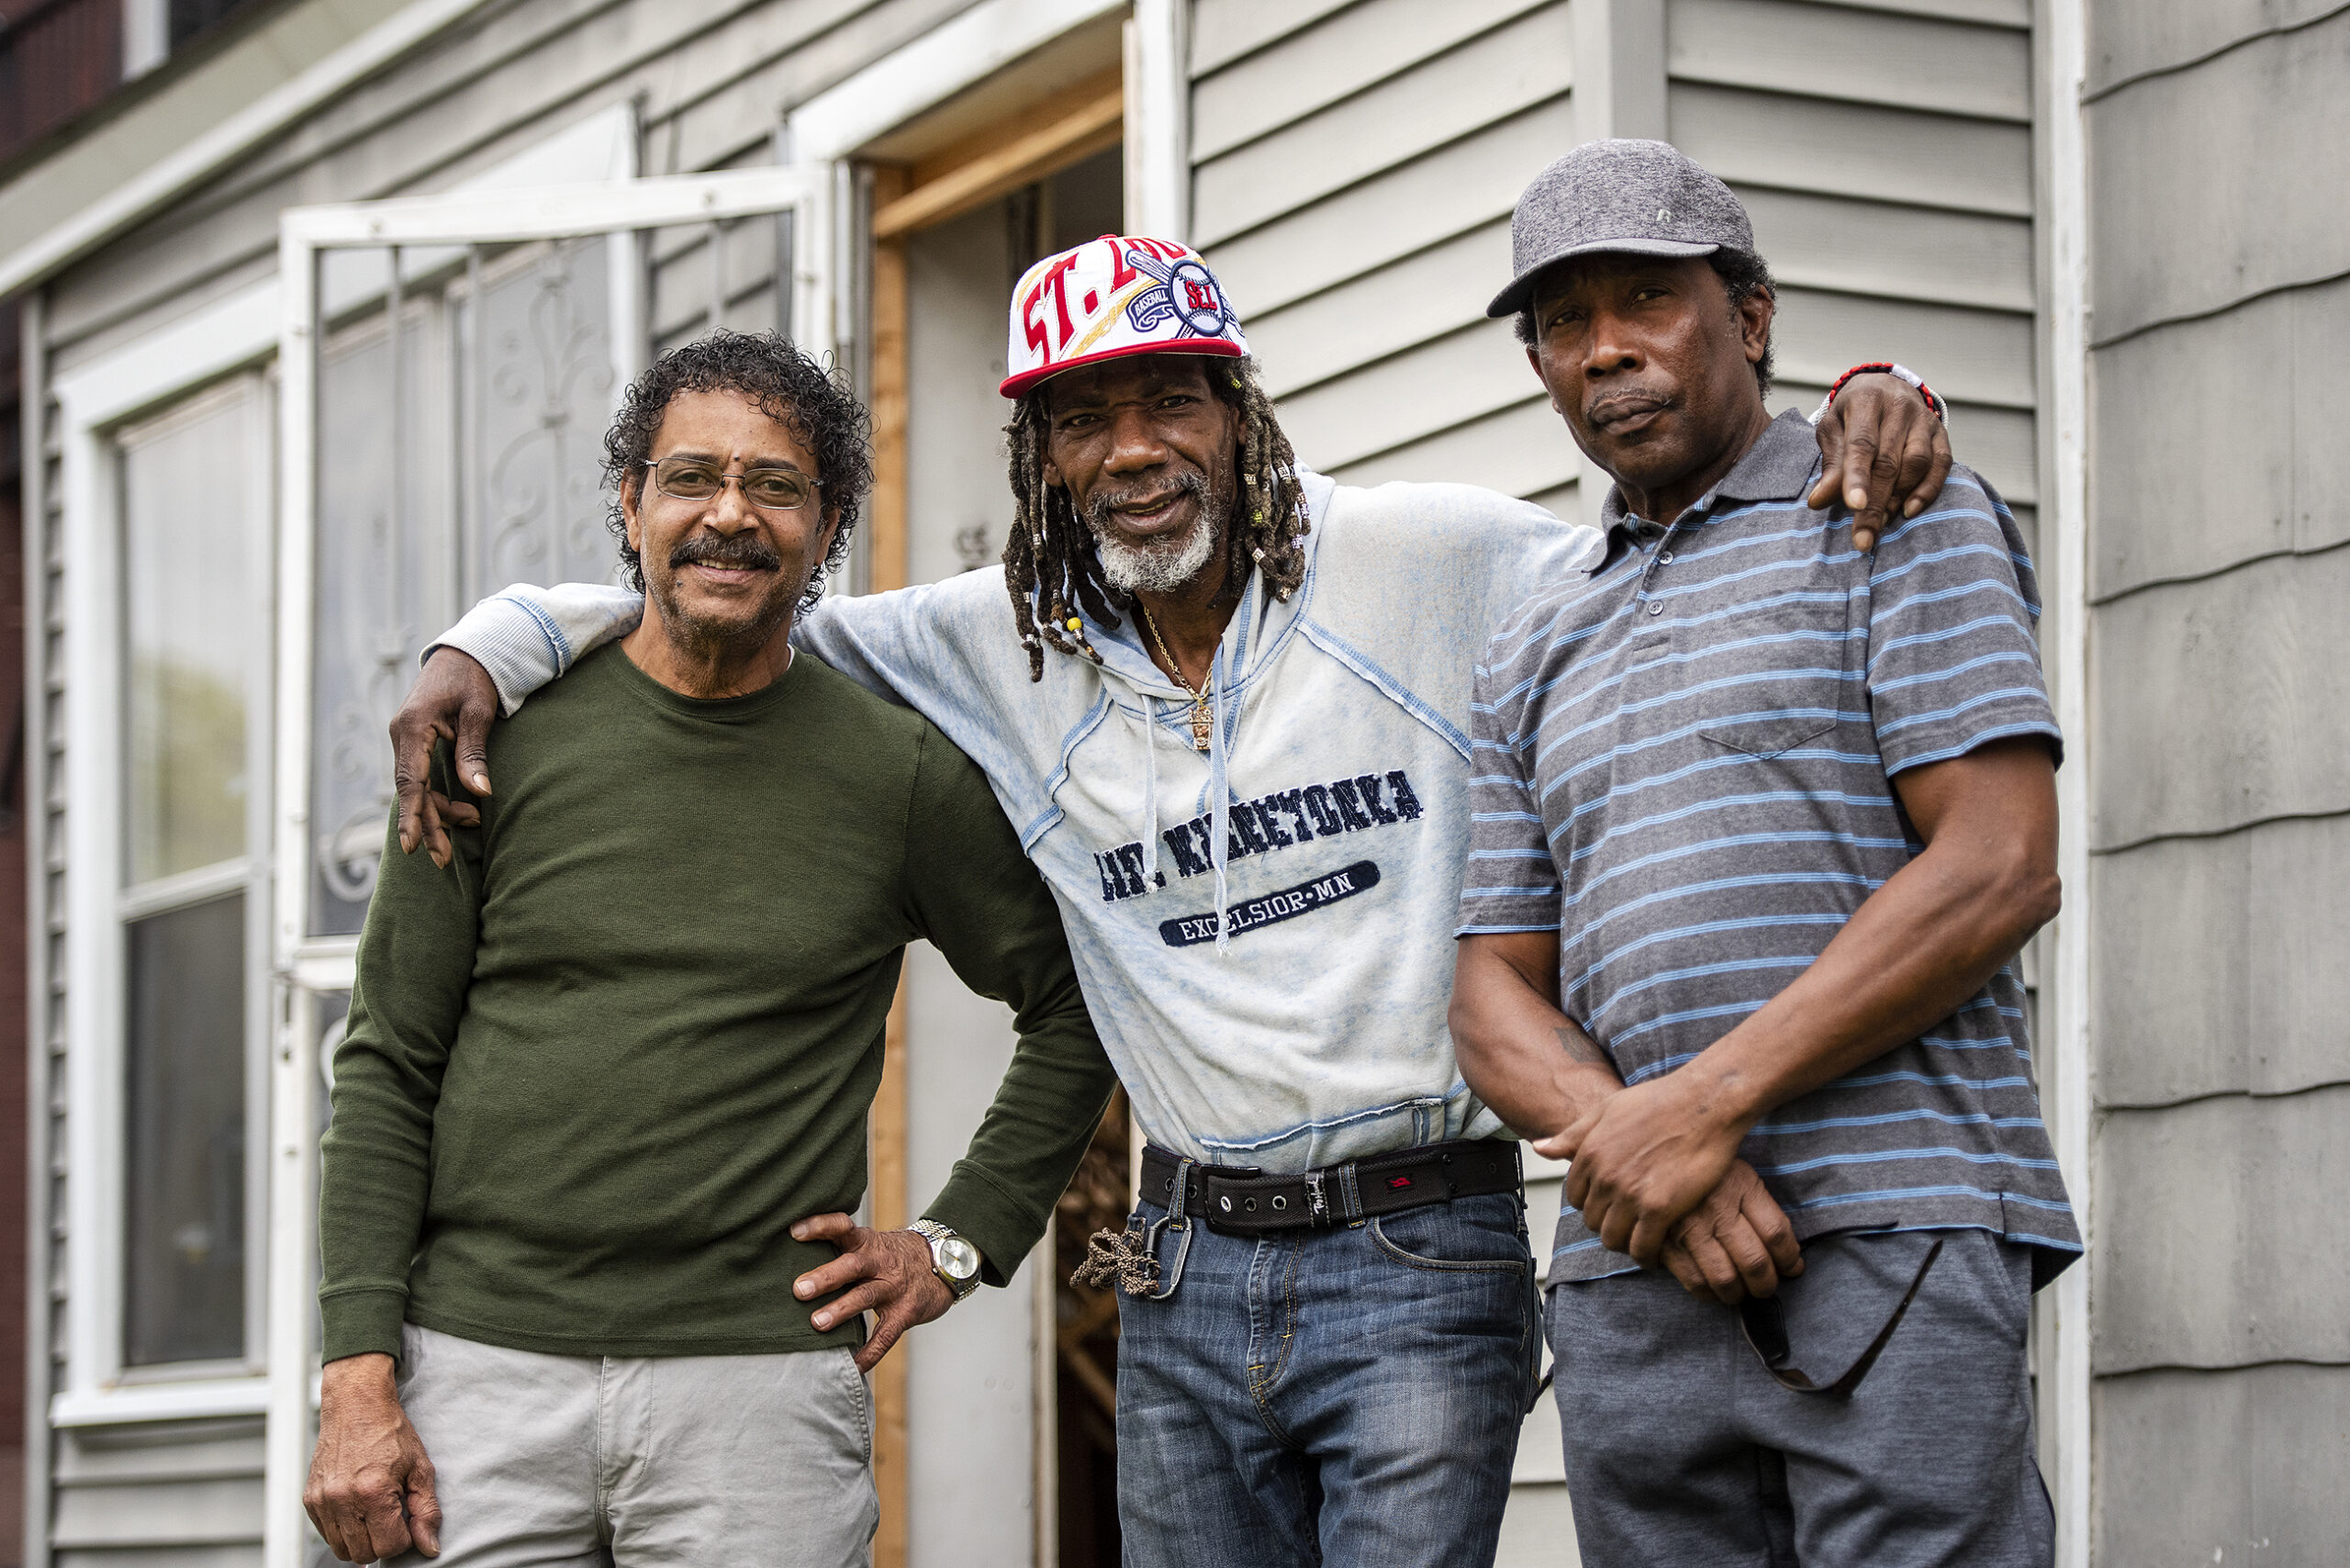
(525, 635)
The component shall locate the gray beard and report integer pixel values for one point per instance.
(1160, 568)
(1164, 566)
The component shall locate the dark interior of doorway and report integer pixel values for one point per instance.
(1086, 1343)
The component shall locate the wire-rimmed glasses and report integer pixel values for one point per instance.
(767, 488)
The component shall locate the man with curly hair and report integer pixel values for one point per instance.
(603, 1064)
(1227, 715)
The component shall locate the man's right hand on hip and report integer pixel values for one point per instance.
(370, 1491)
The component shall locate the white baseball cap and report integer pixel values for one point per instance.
(1110, 298)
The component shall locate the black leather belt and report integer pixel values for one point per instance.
(1243, 1201)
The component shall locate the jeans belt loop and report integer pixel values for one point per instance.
(1178, 1202)
(1349, 1194)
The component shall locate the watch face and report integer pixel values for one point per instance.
(958, 1258)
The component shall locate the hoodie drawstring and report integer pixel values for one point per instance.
(1220, 792)
(1149, 790)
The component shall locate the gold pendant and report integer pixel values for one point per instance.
(1201, 724)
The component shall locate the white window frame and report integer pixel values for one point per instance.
(94, 402)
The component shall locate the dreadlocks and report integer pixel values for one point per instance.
(1049, 559)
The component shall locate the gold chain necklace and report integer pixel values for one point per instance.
(1202, 723)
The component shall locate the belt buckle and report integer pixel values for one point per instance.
(1317, 1207)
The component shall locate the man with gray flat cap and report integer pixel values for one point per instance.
(1764, 812)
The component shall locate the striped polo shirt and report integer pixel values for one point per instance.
(1682, 765)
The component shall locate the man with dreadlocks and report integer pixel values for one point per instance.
(1229, 722)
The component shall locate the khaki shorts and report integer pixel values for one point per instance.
(620, 1462)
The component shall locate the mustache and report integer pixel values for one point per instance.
(1618, 401)
(1102, 503)
(742, 551)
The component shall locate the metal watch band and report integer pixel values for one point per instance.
(930, 1230)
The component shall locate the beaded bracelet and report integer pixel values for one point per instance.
(1901, 373)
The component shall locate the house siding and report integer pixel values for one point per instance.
(1353, 172)
(1885, 155)
(710, 82)
(2219, 737)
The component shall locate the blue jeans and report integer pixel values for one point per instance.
(1347, 1397)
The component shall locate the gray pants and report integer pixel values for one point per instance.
(620, 1462)
(1683, 1450)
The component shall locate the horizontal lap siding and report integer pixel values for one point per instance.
(2219, 568)
(712, 81)
(189, 1493)
(1884, 155)
(1354, 171)
(2233, 427)
(2224, 970)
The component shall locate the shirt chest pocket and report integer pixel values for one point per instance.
(1801, 698)
(1786, 684)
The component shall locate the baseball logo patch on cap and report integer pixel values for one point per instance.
(1113, 297)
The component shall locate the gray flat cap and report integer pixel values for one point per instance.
(1646, 197)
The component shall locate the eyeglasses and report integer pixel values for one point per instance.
(769, 489)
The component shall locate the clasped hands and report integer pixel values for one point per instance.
(1655, 1172)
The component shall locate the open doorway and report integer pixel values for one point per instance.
(962, 202)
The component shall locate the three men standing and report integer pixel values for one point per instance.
(1230, 723)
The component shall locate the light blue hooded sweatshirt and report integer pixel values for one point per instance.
(1264, 930)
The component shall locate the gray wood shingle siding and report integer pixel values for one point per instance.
(2219, 489)
(2188, 1459)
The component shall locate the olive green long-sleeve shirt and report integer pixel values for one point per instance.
(596, 1068)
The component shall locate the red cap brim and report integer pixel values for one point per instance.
(1222, 348)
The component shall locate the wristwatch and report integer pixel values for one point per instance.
(955, 1260)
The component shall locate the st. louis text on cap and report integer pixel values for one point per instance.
(1114, 296)
(1645, 197)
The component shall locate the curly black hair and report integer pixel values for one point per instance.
(1744, 275)
(790, 386)
(1049, 560)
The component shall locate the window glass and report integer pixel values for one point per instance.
(385, 582)
(194, 604)
(184, 1149)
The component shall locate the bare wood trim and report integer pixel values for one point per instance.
(886, 563)
(889, 1135)
(1071, 125)
(888, 544)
